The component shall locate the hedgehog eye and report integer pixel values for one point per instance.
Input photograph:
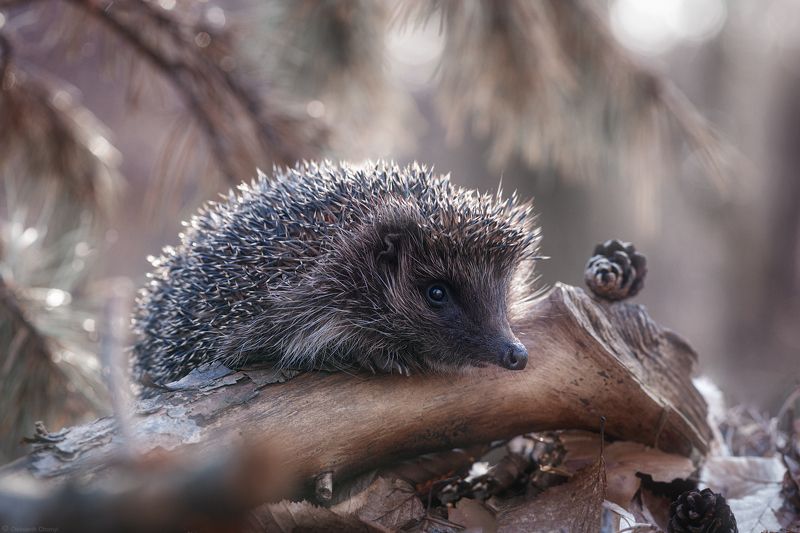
(437, 295)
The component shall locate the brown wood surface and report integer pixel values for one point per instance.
(587, 360)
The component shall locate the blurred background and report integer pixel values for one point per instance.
(674, 124)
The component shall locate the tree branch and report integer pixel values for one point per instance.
(588, 360)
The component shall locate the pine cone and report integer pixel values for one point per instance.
(616, 271)
(701, 512)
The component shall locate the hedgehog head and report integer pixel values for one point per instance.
(432, 286)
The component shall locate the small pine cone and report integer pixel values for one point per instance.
(616, 271)
(701, 512)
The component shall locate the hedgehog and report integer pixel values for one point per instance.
(333, 266)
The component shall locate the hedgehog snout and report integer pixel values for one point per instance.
(512, 355)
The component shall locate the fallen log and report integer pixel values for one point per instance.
(588, 359)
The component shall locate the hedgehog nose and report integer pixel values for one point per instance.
(514, 356)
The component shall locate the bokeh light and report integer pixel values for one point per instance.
(656, 26)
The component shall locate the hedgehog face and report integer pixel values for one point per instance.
(444, 302)
(465, 323)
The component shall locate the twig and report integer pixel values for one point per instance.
(172, 71)
(214, 96)
(113, 357)
(10, 303)
(5, 57)
(246, 98)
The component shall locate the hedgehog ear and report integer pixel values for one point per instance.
(395, 228)
(389, 248)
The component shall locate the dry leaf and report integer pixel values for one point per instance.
(473, 516)
(619, 518)
(623, 461)
(574, 506)
(738, 477)
(757, 511)
(392, 504)
(752, 486)
(649, 507)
